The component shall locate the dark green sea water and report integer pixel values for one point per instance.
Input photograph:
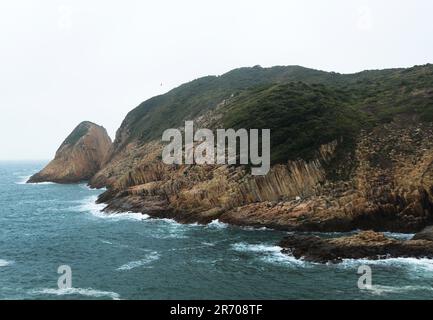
(43, 226)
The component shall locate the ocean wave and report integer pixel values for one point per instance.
(216, 224)
(268, 253)
(5, 263)
(96, 209)
(380, 290)
(88, 292)
(24, 179)
(209, 244)
(86, 187)
(399, 236)
(423, 265)
(151, 257)
(255, 228)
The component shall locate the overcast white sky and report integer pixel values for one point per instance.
(64, 61)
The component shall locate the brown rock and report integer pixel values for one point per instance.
(364, 245)
(79, 157)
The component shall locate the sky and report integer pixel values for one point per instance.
(66, 61)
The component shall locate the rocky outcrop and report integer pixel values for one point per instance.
(388, 186)
(79, 157)
(364, 245)
(359, 157)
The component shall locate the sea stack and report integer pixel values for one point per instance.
(79, 157)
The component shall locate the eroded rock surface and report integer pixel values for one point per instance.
(388, 186)
(364, 245)
(79, 157)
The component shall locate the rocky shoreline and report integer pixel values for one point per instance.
(363, 245)
(371, 170)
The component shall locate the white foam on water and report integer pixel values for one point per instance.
(175, 223)
(86, 187)
(247, 247)
(122, 216)
(151, 257)
(89, 205)
(5, 263)
(423, 265)
(88, 292)
(24, 179)
(268, 253)
(255, 228)
(216, 224)
(209, 244)
(399, 236)
(380, 290)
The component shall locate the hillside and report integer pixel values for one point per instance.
(348, 151)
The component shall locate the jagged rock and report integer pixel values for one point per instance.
(364, 245)
(79, 157)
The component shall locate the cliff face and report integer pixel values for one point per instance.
(348, 152)
(79, 157)
(389, 187)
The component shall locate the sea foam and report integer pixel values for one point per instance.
(5, 263)
(216, 224)
(380, 290)
(268, 253)
(424, 265)
(88, 292)
(151, 257)
(89, 205)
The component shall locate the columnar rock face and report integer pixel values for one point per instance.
(79, 157)
(389, 187)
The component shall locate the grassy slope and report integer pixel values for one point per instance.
(77, 133)
(301, 117)
(303, 107)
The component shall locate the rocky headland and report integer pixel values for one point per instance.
(79, 157)
(348, 152)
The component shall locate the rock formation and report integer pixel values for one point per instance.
(338, 168)
(348, 152)
(79, 157)
(388, 187)
(364, 245)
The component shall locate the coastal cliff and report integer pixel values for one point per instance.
(348, 152)
(79, 157)
(388, 187)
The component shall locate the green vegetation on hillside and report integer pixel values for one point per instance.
(77, 133)
(301, 117)
(152, 117)
(303, 107)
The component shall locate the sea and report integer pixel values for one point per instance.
(45, 227)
